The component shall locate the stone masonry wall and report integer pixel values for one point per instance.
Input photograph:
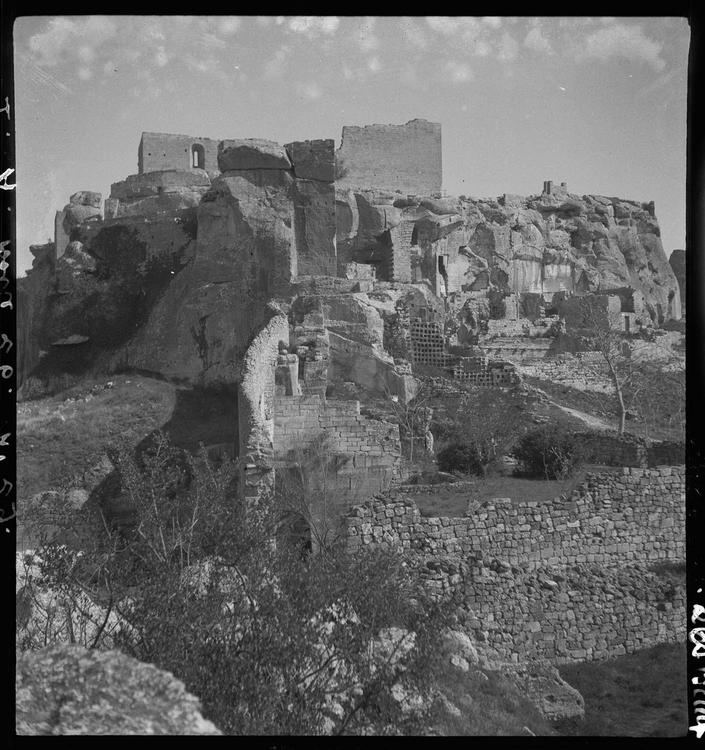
(162, 151)
(591, 576)
(635, 516)
(581, 613)
(397, 157)
(372, 447)
(581, 372)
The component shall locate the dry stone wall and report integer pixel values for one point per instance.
(581, 613)
(636, 515)
(576, 578)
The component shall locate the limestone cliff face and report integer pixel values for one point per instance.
(677, 263)
(200, 328)
(542, 244)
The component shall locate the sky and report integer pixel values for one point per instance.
(599, 103)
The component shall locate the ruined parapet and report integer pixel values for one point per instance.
(256, 409)
(168, 151)
(405, 157)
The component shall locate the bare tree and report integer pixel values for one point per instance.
(634, 371)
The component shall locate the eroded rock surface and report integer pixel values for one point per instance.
(72, 690)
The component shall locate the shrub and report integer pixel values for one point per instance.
(270, 641)
(460, 457)
(549, 452)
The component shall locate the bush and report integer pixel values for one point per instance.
(549, 452)
(460, 457)
(269, 640)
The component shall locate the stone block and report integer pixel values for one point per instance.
(313, 160)
(251, 153)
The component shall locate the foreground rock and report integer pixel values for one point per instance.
(551, 694)
(71, 690)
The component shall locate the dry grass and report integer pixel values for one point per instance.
(60, 437)
(454, 502)
(638, 695)
(492, 706)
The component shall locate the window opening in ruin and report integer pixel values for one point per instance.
(415, 235)
(626, 324)
(198, 156)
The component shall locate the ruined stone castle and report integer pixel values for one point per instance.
(277, 271)
(274, 277)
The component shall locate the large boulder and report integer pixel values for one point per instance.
(73, 690)
(313, 160)
(201, 326)
(251, 153)
(86, 198)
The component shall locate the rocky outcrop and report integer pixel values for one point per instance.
(73, 690)
(82, 206)
(545, 244)
(551, 694)
(677, 263)
(157, 192)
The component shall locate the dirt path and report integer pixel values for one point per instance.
(592, 422)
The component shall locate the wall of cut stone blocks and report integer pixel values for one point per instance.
(371, 447)
(162, 151)
(406, 157)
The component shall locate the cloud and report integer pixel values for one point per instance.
(312, 26)
(459, 72)
(508, 48)
(482, 48)
(493, 22)
(310, 90)
(535, 40)
(276, 67)
(374, 64)
(160, 57)
(65, 37)
(625, 41)
(413, 33)
(85, 74)
(367, 40)
(228, 26)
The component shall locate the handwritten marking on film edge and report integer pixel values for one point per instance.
(697, 637)
(6, 370)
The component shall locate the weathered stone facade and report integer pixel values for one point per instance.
(406, 157)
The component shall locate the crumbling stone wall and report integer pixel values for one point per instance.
(634, 516)
(406, 157)
(582, 371)
(162, 151)
(571, 579)
(372, 447)
(256, 407)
